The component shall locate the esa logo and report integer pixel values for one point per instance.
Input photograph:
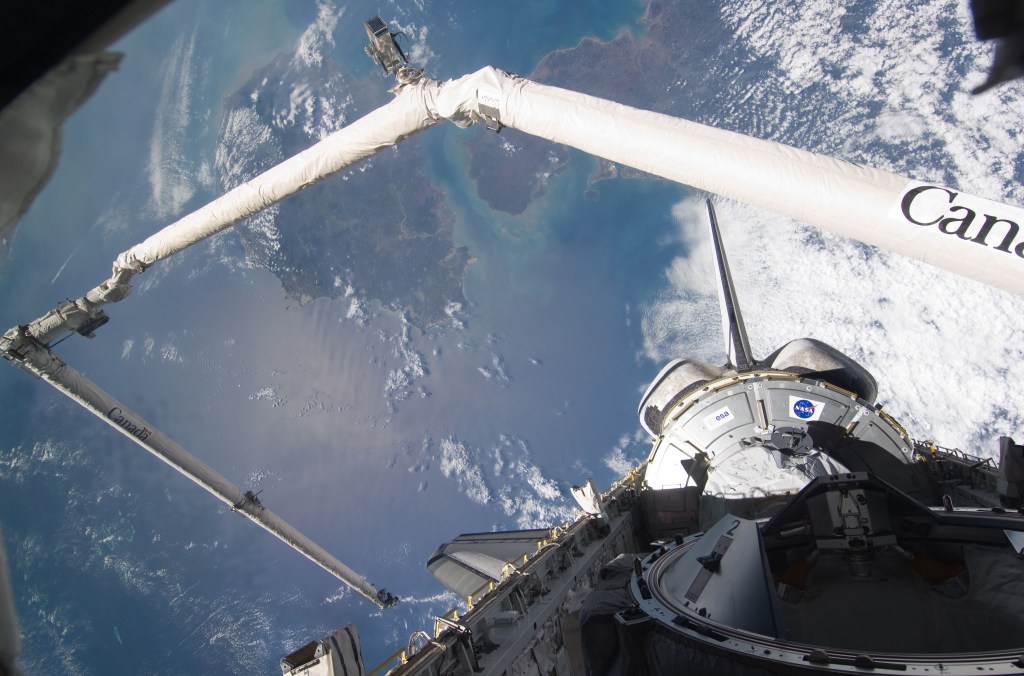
(718, 418)
(805, 409)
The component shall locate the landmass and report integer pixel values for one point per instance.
(385, 234)
(377, 234)
(512, 169)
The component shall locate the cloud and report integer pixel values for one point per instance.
(92, 540)
(946, 351)
(243, 137)
(505, 476)
(498, 370)
(416, 48)
(523, 492)
(894, 82)
(888, 90)
(402, 381)
(668, 329)
(629, 452)
(457, 463)
(319, 36)
(172, 175)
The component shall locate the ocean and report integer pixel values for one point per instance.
(371, 434)
(383, 439)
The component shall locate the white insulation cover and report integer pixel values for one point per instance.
(380, 129)
(972, 236)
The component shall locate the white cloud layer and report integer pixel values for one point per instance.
(319, 36)
(948, 353)
(504, 475)
(172, 175)
(890, 90)
(414, 43)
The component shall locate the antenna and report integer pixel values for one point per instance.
(737, 347)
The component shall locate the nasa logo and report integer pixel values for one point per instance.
(803, 409)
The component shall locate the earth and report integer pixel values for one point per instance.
(447, 337)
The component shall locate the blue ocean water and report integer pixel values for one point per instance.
(516, 36)
(551, 316)
(564, 283)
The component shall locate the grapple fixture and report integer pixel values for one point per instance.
(383, 48)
